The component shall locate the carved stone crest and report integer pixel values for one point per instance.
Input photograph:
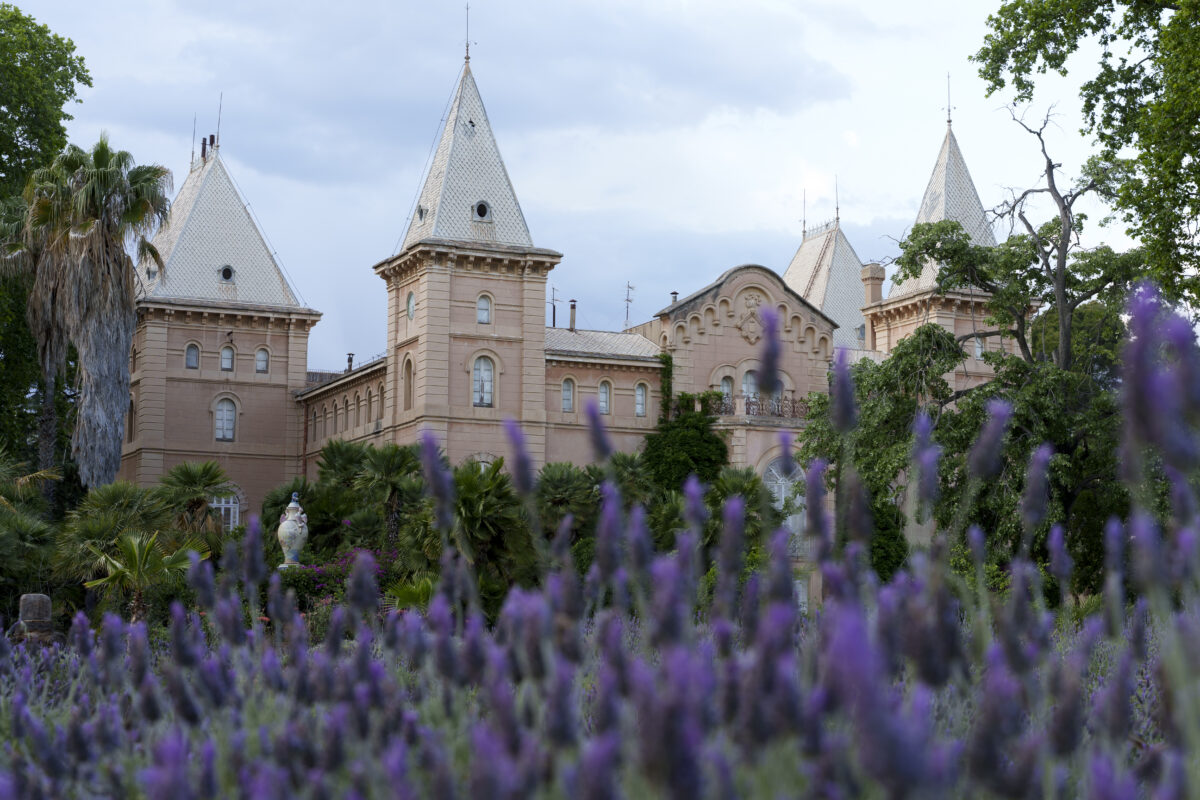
(750, 325)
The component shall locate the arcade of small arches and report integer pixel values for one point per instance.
(342, 416)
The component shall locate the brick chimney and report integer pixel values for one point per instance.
(872, 278)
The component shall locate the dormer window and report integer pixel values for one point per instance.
(481, 212)
(226, 273)
(420, 213)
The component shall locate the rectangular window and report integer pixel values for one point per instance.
(227, 359)
(639, 400)
(229, 509)
(262, 360)
(979, 347)
(225, 420)
(605, 398)
(568, 396)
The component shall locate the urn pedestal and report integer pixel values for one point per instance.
(292, 532)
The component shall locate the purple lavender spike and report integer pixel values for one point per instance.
(814, 504)
(984, 459)
(601, 447)
(785, 452)
(1061, 563)
(844, 411)
(608, 531)
(1037, 487)
(595, 776)
(978, 544)
(200, 578)
(254, 562)
(695, 512)
(522, 464)
(362, 589)
(768, 378)
(439, 481)
(1104, 782)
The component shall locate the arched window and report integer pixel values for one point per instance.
(226, 420)
(483, 310)
(346, 413)
(379, 410)
(357, 410)
(262, 360)
(324, 420)
(782, 487)
(568, 396)
(408, 386)
(727, 386)
(227, 359)
(312, 427)
(131, 421)
(191, 357)
(132, 360)
(230, 509)
(978, 347)
(334, 429)
(481, 381)
(370, 406)
(639, 400)
(750, 384)
(604, 401)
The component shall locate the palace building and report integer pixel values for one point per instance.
(219, 366)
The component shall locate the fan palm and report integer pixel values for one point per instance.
(138, 563)
(394, 473)
(86, 209)
(188, 488)
(100, 518)
(340, 461)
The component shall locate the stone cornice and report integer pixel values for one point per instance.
(465, 257)
(238, 315)
(632, 364)
(923, 302)
(344, 381)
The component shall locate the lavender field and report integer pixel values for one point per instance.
(629, 683)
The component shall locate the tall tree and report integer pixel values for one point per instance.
(39, 76)
(1141, 101)
(87, 209)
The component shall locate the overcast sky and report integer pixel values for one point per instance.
(652, 142)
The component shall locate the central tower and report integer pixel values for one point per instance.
(466, 300)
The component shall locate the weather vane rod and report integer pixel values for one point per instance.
(948, 106)
(468, 37)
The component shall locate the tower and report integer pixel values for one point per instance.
(220, 346)
(466, 300)
(949, 195)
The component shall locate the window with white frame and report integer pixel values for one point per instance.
(750, 384)
(230, 509)
(784, 489)
(226, 420)
(191, 357)
(227, 359)
(639, 400)
(482, 377)
(568, 396)
(483, 310)
(727, 386)
(604, 401)
(979, 347)
(262, 360)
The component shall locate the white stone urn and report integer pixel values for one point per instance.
(293, 532)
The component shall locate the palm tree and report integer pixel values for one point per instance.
(340, 462)
(188, 488)
(139, 563)
(100, 519)
(394, 473)
(85, 210)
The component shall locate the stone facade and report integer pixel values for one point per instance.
(467, 345)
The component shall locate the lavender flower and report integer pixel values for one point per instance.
(843, 409)
(200, 578)
(601, 447)
(817, 523)
(695, 512)
(925, 456)
(785, 452)
(1061, 563)
(1037, 488)
(768, 378)
(439, 480)
(984, 460)
(522, 464)
(362, 590)
(254, 562)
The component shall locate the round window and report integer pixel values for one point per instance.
(412, 305)
(226, 273)
(482, 210)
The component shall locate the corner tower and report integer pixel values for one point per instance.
(949, 195)
(220, 347)
(466, 299)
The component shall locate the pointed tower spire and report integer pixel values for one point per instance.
(950, 194)
(211, 247)
(467, 195)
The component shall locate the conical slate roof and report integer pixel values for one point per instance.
(827, 273)
(950, 195)
(208, 230)
(467, 195)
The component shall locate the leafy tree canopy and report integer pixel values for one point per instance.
(39, 75)
(1140, 101)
